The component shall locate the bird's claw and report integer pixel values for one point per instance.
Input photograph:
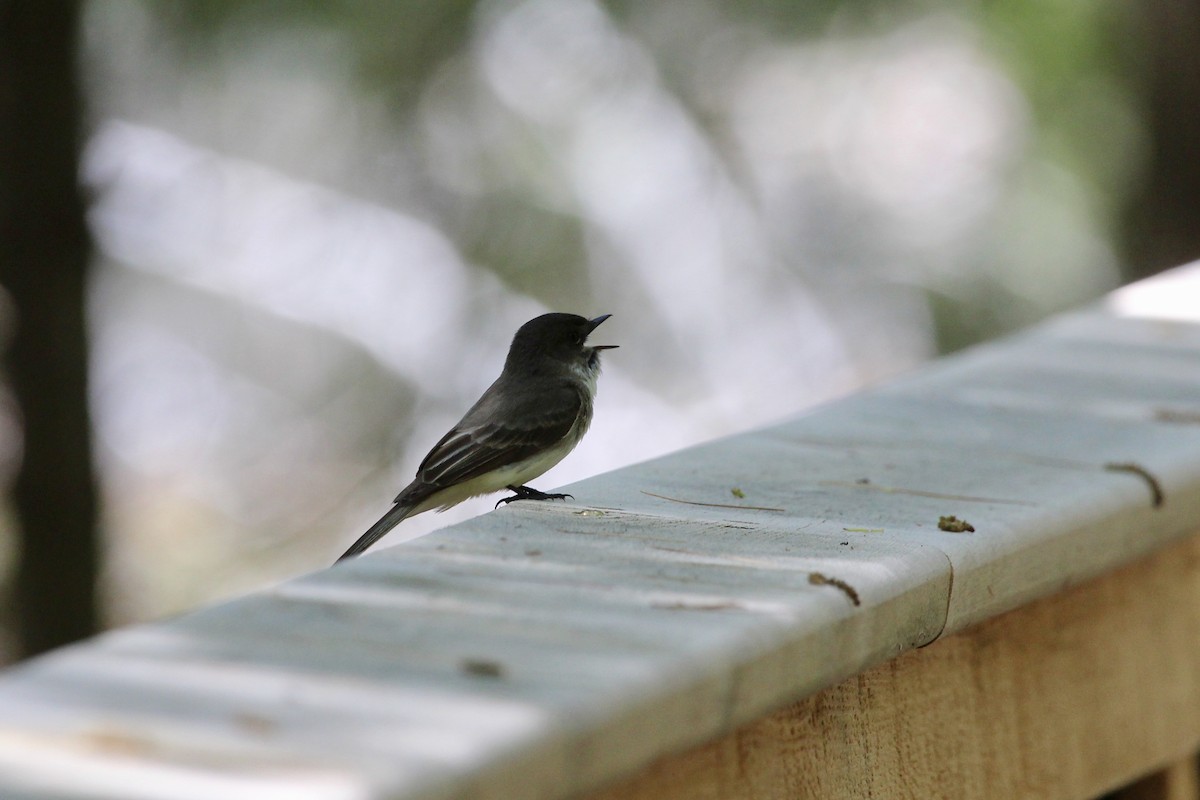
(528, 493)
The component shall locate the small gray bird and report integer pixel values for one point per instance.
(525, 423)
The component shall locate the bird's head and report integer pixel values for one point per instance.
(559, 338)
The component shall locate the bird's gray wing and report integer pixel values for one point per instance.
(498, 432)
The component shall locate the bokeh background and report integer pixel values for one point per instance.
(312, 227)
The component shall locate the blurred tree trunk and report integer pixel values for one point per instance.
(1163, 224)
(44, 250)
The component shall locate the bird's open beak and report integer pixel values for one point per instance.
(595, 323)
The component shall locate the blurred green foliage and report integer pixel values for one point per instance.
(1080, 66)
(291, 194)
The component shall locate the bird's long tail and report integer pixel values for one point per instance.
(388, 521)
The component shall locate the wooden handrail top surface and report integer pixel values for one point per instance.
(548, 648)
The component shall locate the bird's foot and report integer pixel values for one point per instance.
(529, 493)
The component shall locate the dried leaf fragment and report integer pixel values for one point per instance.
(1157, 498)
(953, 524)
(482, 667)
(820, 579)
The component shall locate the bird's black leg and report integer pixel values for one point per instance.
(529, 493)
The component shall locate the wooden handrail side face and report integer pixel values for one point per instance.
(1071, 696)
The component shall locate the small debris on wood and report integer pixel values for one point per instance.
(254, 723)
(1175, 416)
(711, 505)
(533, 553)
(863, 481)
(963, 498)
(482, 667)
(117, 741)
(819, 579)
(716, 605)
(1156, 493)
(953, 524)
(738, 493)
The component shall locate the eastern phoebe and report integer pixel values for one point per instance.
(525, 423)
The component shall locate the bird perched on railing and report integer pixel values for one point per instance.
(525, 423)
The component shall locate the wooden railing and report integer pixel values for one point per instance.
(982, 580)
